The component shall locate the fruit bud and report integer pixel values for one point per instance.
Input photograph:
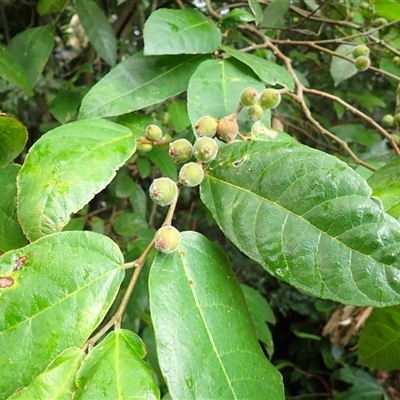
(180, 150)
(227, 129)
(362, 63)
(360, 50)
(191, 174)
(205, 149)
(270, 98)
(249, 97)
(255, 112)
(153, 132)
(206, 126)
(167, 239)
(163, 191)
(388, 120)
(144, 147)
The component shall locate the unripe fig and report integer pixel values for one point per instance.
(360, 50)
(191, 174)
(153, 132)
(379, 21)
(163, 191)
(144, 147)
(205, 149)
(180, 150)
(227, 129)
(255, 112)
(206, 126)
(388, 120)
(270, 98)
(397, 118)
(167, 239)
(362, 63)
(249, 97)
(364, 5)
(396, 60)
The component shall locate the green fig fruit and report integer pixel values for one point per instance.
(270, 98)
(191, 174)
(153, 132)
(144, 147)
(205, 149)
(206, 126)
(397, 118)
(180, 150)
(167, 239)
(379, 21)
(388, 120)
(227, 129)
(163, 191)
(360, 50)
(255, 112)
(249, 96)
(362, 63)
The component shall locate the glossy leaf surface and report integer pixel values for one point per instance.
(185, 31)
(206, 342)
(379, 345)
(115, 369)
(138, 82)
(57, 382)
(308, 219)
(13, 137)
(98, 29)
(11, 235)
(65, 168)
(53, 294)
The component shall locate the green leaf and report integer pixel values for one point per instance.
(340, 68)
(50, 6)
(308, 219)
(128, 224)
(12, 71)
(256, 9)
(115, 369)
(65, 105)
(205, 298)
(356, 133)
(54, 291)
(385, 184)
(162, 160)
(11, 235)
(392, 68)
(178, 115)
(184, 31)
(138, 82)
(65, 168)
(236, 17)
(58, 379)
(274, 12)
(138, 200)
(98, 29)
(267, 71)
(367, 100)
(32, 49)
(389, 9)
(13, 137)
(379, 345)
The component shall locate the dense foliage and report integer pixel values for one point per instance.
(201, 199)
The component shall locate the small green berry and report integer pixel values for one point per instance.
(180, 150)
(227, 129)
(364, 5)
(191, 174)
(163, 191)
(205, 149)
(362, 63)
(360, 50)
(167, 239)
(270, 98)
(388, 120)
(396, 60)
(379, 22)
(255, 112)
(206, 126)
(397, 118)
(249, 97)
(153, 132)
(144, 147)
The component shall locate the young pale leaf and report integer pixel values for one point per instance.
(206, 342)
(379, 345)
(267, 71)
(308, 219)
(115, 369)
(98, 29)
(138, 82)
(342, 69)
(65, 168)
(13, 137)
(385, 184)
(11, 235)
(184, 31)
(57, 382)
(53, 294)
(32, 49)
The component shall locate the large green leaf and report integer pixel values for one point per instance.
(389, 9)
(65, 168)
(379, 345)
(138, 82)
(185, 31)
(32, 49)
(267, 71)
(11, 235)
(53, 294)
(57, 382)
(308, 219)
(115, 369)
(385, 184)
(12, 71)
(98, 29)
(206, 342)
(13, 137)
